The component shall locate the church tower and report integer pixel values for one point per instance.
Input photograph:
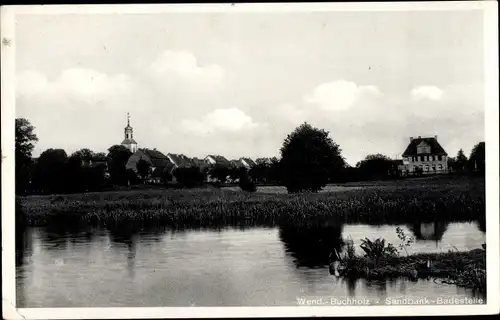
(129, 141)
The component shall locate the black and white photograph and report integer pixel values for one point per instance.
(326, 159)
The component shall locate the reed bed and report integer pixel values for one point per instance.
(399, 202)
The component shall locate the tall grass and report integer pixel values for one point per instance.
(396, 203)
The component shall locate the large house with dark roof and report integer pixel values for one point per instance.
(426, 155)
(158, 162)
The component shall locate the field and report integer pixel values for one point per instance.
(402, 201)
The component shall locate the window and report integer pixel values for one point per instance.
(422, 158)
(440, 158)
(426, 168)
(433, 168)
(440, 167)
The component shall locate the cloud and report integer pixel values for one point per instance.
(339, 95)
(184, 66)
(85, 85)
(220, 120)
(427, 92)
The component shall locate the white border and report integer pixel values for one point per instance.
(490, 9)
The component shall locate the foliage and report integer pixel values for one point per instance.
(143, 168)
(188, 177)
(477, 158)
(307, 158)
(265, 170)
(406, 241)
(219, 172)
(245, 183)
(375, 166)
(24, 145)
(459, 163)
(83, 155)
(131, 177)
(118, 156)
(376, 249)
(50, 171)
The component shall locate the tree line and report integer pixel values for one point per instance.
(309, 160)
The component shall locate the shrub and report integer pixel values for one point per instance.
(377, 249)
(188, 177)
(246, 184)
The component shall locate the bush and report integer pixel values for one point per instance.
(246, 184)
(188, 177)
(377, 249)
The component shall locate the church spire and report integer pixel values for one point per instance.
(129, 141)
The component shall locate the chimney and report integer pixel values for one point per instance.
(436, 137)
(411, 139)
(419, 137)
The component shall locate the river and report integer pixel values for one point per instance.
(255, 266)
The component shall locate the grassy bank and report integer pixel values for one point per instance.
(398, 202)
(464, 269)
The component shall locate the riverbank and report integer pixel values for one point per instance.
(464, 269)
(399, 202)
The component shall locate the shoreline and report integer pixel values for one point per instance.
(456, 200)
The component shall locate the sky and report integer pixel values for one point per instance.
(236, 84)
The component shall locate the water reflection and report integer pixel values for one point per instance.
(429, 231)
(311, 246)
(23, 246)
(481, 223)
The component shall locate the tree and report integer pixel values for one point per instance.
(274, 171)
(460, 162)
(50, 171)
(220, 172)
(188, 176)
(83, 155)
(143, 168)
(236, 173)
(99, 156)
(375, 166)
(117, 159)
(307, 158)
(24, 145)
(477, 158)
(245, 183)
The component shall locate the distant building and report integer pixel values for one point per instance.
(129, 141)
(158, 162)
(180, 160)
(247, 163)
(215, 159)
(426, 155)
(243, 163)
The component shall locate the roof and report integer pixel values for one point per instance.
(153, 154)
(198, 162)
(129, 141)
(249, 161)
(219, 159)
(160, 169)
(236, 163)
(180, 160)
(436, 148)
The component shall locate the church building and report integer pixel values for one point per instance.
(129, 141)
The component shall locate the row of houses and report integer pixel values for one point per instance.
(160, 163)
